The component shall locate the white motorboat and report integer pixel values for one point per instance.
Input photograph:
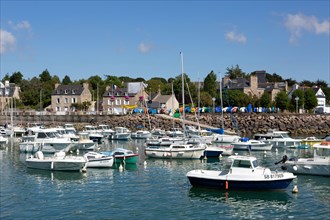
(248, 144)
(319, 164)
(58, 162)
(93, 133)
(98, 160)
(105, 130)
(174, 132)
(46, 140)
(176, 151)
(244, 174)
(121, 133)
(84, 142)
(141, 134)
(165, 141)
(278, 139)
(3, 140)
(225, 138)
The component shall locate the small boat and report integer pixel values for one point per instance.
(248, 144)
(98, 160)
(225, 138)
(311, 141)
(244, 174)
(122, 155)
(212, 151)
(58, 162)
(141, 134)
(46, 140)
(278, 139)
(121, 133)
(318, 164)
(176, 151)
(3, 140)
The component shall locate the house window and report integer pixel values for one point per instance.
(110, 102)
(0, 92)
(126, 102)
(73, 100)
(118, 102)
(58, 108)
(57, 92)
(65, 109)
(66, 100)
(58, 101)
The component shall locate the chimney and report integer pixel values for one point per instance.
(57, 85)
(85, 85)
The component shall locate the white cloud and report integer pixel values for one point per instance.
(145, 48)
(232, 36)
(21, 25)
(298, 23)
(7, 41)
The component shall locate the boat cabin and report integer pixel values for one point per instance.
(243, 162)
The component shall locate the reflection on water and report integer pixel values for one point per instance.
(234, 196)
(55, 175)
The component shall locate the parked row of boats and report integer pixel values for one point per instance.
(244, 171)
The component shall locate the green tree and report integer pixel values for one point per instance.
(66, 80)
(154, 85)
(45, 76)
(234, 98)
(210, 84)
(16, 78)
(274, 77)
(310, 100)
(265, 100)
(282, 100)
(6, 78)
(306, 83)
(189, 90)
(205, 100)
(235, 72)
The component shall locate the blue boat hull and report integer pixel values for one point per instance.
(211, 153)
(244, 185)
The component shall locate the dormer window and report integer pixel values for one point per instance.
(65, 91)
(73, 91)
(57, 92)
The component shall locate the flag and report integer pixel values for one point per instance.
(114, 87)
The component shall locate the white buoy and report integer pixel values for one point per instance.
(77, 151)
(205, 158)
(220, 155)
(295, 168)
(145, 163)
(295, 189)
(121, 168)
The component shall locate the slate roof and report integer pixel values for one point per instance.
(68, 90)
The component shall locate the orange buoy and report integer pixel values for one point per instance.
(226, 184)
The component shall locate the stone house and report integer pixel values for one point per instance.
(64, 96)
(256, 86)
(124, 100)
(8, 92)
(164, 102)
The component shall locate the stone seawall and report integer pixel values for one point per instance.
(247, 123)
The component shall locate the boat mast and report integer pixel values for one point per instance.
(183, 105)
(221, 102)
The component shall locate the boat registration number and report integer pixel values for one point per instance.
(273, 176)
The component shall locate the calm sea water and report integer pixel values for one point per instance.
(159, 190)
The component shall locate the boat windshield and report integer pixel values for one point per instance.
(255, 163)
(322, 152)
(242, 164)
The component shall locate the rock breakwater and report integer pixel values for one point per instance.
(247, 123)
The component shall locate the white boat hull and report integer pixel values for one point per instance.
(165, 152)
(69, 163)
(308, 166)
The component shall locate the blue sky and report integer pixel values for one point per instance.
(144, 38)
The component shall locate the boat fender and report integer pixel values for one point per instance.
(40, 155)
(226, 184)
(295, 189)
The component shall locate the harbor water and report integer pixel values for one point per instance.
(157, 189)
